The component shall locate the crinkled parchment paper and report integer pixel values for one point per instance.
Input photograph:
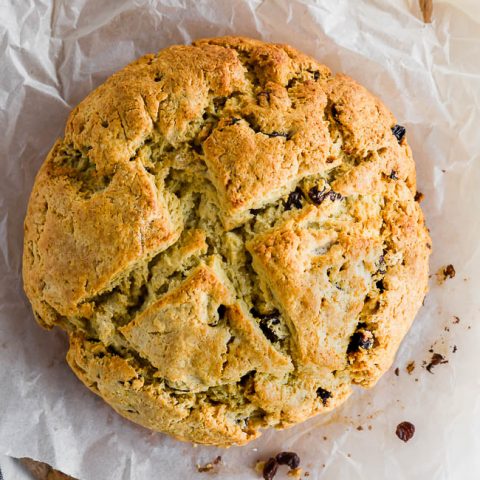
(53, 53)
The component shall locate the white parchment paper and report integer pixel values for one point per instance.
(52, 53)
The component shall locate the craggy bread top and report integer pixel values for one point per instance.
(229, 235)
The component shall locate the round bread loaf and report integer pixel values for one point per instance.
(229, 235)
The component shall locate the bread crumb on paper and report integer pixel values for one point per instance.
(437, 359)
(445, 273)
(410, 367)
(295, 473)
(209, 467)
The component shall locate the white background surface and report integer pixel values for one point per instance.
(53, 53)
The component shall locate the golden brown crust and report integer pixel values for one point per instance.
(229, 234)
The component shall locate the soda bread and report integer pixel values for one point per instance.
(229, 236)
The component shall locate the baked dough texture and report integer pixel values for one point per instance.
(229, 236)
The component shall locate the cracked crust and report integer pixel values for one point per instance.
(228, 233)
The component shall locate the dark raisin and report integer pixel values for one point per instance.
(294, 199)
(380, 286)
(255, 211)
(288, 458)
(267, 320)
(234, 120)
(316, 75)
(266, 327)
(221, 311)
(334, 195)
(317, 196)
(270, 469)
(277, 134)
(291, 82)
(405, 431)
(381, 265)
(334, 112)
(198, 148)
(324, 395)
(399, 132)
(393, 175)
(219, 102)
(267, 316)
(359, 340)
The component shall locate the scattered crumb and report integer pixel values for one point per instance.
(208, 467)
(323, 465)
(454, 349)
(445, 273)
(306, 474)
(397, 371)
(446, 329)
(410, 367)
(359, 428)
(325, 438)
(437, 359)
(416, 379)
(295, 473)
(426, 6)
(456, 319)
(259, 466)
(405, 431)
(419, 196)
(349, 455)
(369, 427)
(443, 170)
(469, 327)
